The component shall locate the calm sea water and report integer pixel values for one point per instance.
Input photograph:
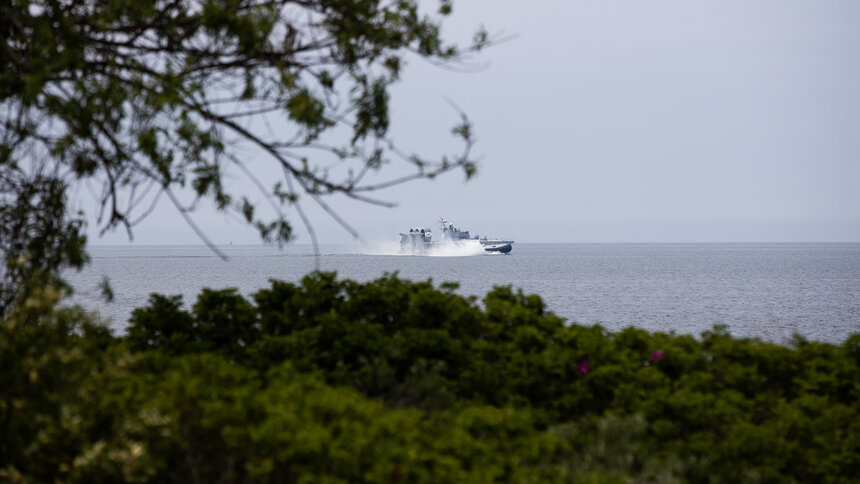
(765, 291)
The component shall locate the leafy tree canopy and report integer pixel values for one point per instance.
(145, 98)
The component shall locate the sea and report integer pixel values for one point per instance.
(766, 291)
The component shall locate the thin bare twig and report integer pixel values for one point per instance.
(193, 225)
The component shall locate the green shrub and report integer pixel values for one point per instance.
(395, 381)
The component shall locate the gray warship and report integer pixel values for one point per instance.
(418, 240)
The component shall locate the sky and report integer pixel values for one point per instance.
(619, 122)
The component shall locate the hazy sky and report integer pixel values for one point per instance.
(625, 121)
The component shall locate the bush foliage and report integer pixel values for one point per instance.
(395, 381)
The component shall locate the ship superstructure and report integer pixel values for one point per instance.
(451, 233)
(416, 240)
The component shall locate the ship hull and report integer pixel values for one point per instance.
(501, 248)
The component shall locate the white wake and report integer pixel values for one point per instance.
(461, 248)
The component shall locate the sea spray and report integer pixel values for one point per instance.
(462, 248)
(455, 249)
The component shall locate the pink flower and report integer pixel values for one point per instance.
(657, 356)
(583, 367)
